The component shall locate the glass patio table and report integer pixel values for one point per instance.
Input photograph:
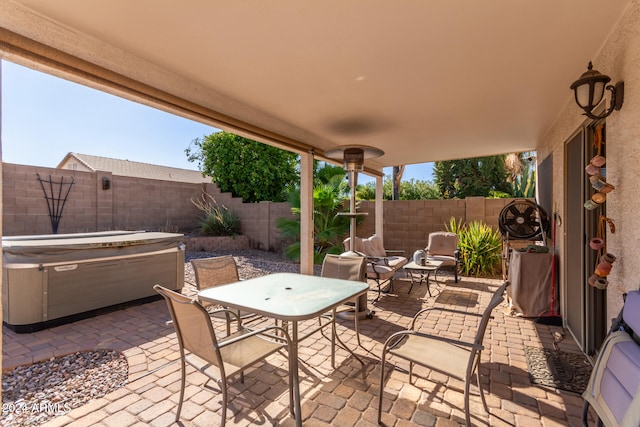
(292, 298)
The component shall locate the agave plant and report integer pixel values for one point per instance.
(217, 220)
(480, 248)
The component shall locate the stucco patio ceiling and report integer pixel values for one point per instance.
(422, 80)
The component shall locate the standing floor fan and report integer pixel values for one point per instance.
(524, 219)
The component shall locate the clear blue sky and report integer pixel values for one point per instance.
(45, 117)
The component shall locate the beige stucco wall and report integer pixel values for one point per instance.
(619, 58)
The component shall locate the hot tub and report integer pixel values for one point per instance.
(53, 279)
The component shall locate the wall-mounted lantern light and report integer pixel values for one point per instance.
(106, 183)
(589, 92)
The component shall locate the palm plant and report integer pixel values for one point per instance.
(329, 194)
(522, 174)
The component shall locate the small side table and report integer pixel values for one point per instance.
(422, 272)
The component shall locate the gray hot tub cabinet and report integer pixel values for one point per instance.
(53, 279)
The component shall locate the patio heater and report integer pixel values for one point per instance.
(353, 161)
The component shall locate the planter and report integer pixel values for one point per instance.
(216, 243)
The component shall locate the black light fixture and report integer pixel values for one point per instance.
(589, 92)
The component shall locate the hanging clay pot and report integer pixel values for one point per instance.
(607, 188)
(590, 205)
(603, 268)
(597, 182)
(597, 282)
(592, 169)
(596, 243)
(598, 161)
(599, 198)
(601, 283)
(610, 258)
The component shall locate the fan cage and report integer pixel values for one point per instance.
(522, 219)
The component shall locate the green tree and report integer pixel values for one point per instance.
(479, 176)
(329, 194)
(246, 168)
(409, 190)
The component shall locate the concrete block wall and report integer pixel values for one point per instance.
(407, 223)
(154, 205)
(25, 207)
(143, 204)
(127, 204)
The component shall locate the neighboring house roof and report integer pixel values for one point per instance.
(132, 169)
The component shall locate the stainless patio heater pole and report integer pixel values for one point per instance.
(353, 158)
(353, 161)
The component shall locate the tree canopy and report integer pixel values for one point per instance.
(409, 190)
(246, 168)
(479, 176)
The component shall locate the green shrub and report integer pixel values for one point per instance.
(217, 220)
(480, 248)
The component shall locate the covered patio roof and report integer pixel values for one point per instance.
(421, 80)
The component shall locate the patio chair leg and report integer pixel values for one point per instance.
(223, 387)
(183, 380)
(384, 354)
(467, 415)
(333, 339)
(585, 414)
(481, 391)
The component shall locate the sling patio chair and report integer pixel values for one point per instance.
(346, 268)
(219, 359)
(217, 271)
(456, 358)
(382, 264)
(443, 246)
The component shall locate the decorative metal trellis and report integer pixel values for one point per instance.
(55, 202)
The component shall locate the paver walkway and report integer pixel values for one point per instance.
(344, 396)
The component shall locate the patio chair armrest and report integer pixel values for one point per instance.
(395, 339)
(226, 313)
(373, 260)
(394, 251)
(246, 333)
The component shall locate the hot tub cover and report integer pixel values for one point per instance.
(52, 248)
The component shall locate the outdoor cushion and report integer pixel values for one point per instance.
(446, 260)
(621, 377)
(442, 243)
(631, 310)
(376, 246)
(614, 386)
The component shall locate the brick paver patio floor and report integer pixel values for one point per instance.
(346, 396)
